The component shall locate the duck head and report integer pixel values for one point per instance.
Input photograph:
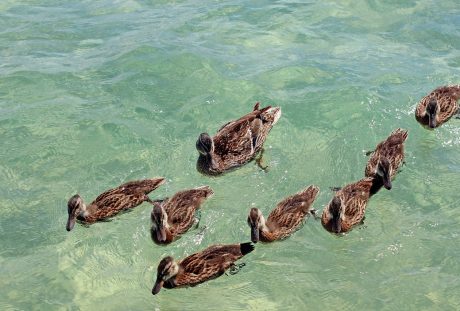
(160, 221)
(432, 111)
(384, 172)
(75, 207)
(167, 268)
(204, 144)
(256, 221)
(335, 208)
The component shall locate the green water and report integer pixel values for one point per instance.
(93, 94)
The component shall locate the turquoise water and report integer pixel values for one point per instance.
(94, 94)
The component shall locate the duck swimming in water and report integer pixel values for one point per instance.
(174, 216)
(438, 107)
(347, 207)
(111, 202)
(284, 219)
(199, 267)
(386, 159)
(237, 142)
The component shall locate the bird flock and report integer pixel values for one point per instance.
(239, 142)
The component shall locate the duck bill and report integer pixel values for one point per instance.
(387, 182)
(157, 287)
(70, 223)
(431, 121)
(254, 234)
(337, 225)
(161, 233)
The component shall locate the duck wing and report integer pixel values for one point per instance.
(290, 212)
(127, 195)
(391, 148)
(182, 206)
(209, 263)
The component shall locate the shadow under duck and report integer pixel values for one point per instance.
(111, 202)
(438, 107)
(347, 207)
(237, 142)
(199, 267)
(284, 219)
(172, 217)
(386, 159)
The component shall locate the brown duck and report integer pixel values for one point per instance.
(174, 216)
(237, 142)
(386, 159)
(347, 207)
(284, 219)
(111, 202)
(439, 106)
(199, 267)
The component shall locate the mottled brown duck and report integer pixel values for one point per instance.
(199, 267)
(386, 159)
(237, 142)
(439, 106)
(285, 219)
(172, 217)
(347, 207)
(111, 202)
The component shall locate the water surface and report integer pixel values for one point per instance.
(94, 94)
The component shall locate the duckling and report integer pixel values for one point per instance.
(386, 160)
(237, 142)
(347, 207)
(199, 267)
(284, 219)
(173, 217)
(438, 107)
(111, 202)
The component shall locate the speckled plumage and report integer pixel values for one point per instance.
(391, 149)
(285, 218)
(199, 267)
(113, 201)
(446, 97)
(239, 141)
(180, 211)
(354, 198)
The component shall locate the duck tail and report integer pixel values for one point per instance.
(398, 136)
(246, 248)
(455, 91)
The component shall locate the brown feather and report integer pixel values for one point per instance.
(181, 210)
(239, 141)
(123, 197)
(288, 215)
(447, 97)
(392, 149)
(354, 199)
(205, 265)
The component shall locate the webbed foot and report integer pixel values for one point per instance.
(368, 153)
(235, 268)
(260, 161)
(197, 219)
(313, 212)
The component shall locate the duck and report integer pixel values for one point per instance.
(347, 207)
(285, 219)
(237, 142)
(199, 267)
(111, 202)
(386, 159)
(438, 107)
(172, 217)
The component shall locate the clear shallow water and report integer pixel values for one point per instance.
(95, 94)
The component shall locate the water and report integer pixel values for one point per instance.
(94, 94)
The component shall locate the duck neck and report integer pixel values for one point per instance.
(377, 183)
